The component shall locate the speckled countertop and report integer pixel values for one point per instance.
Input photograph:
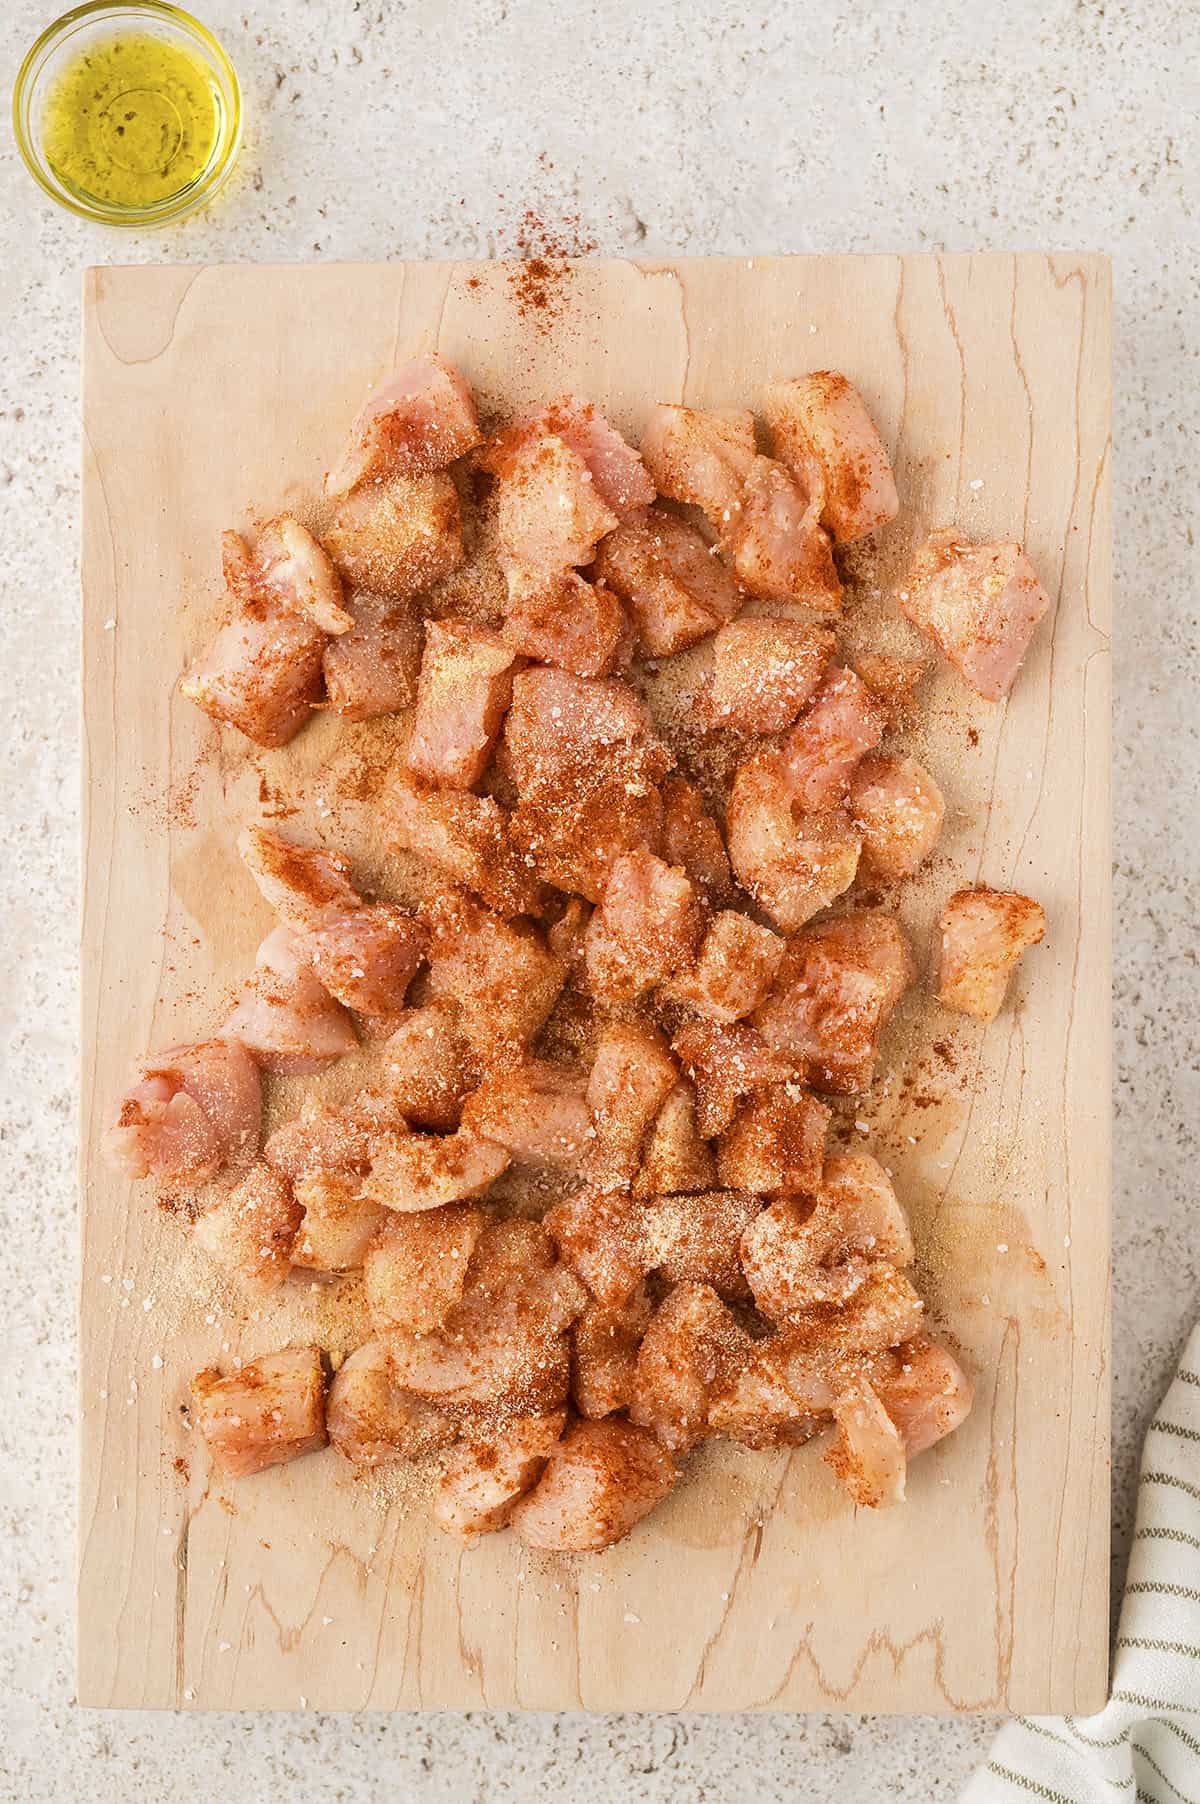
(391, 128)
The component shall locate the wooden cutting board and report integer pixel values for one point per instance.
(214, 394)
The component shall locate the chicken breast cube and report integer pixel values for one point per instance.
(802, 1252)
(422, 418)
(565, 621)
(467, 836)
(194, 1112)
(270, 1411)
(535, 1110)
(700, 458)
(925, 1392)
(834, 993)
(647, 926)
(868, 1451)
(292, 568)
(823, 749)
(430, 1067)
(327, 1139)
(726, 1062)
(673, 587)
(398, 538)
(893, 681)
(615, 467)
(286, 1019)
(733, 970)
(500, 973)
(373, 668)
(822, 418)
(793, 864)
(262, 673)
(601, 1479)
(632, 1075)
(604, 1348)
(339, 1223)
(692, 1347)
(775, 1142)
(371, 1420)
(979, 604)
(674, 1157)
(367, 958)
(697, 1239)
(692, 839)
(600, 1237)
(559, 725)
(983, 933)
(778, 549)
(411, 1172)
(250, 1231)
(462, 696)
(483, 1480)
(899, 808)
(549, 511)
(303, 884)
(764, 671)
(415, 1269)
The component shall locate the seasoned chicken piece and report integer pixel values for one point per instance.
(339, 1222)
(290, 567)
(565, 621)
(411, 1172)
(422, 418)
(983, 933)
(372, 669)
(499, 972)
(821, 752)
(648, 926)
(194, 1112)
(400, 537)
(287, 1020)
(776, 1141)
(697, 1239)
(469, 837)
(367, 958)
(692, 1347)
(415, 1269)
(604, 1347)
(325, 1138)
(600, 1237)
(674, 1157)
(615, 467)
(691, 838)
(834, 993)
(726, 1062)
(700, 458)
(733, 969)
(249, 1231)
(764, 671)
(673, 587)
(925, 1392)
(535, 1110)
(868, 1451)
(269, 1411)
(979, 604)
(483, 1479)
(805, 1251)
(567, 936)
(462, 696)
(899, 808)
(858, 1198)
(601, 1479)
(549, 509)
(572, 831)
(822, 418)
(793, 863)
(894, 681)
(503, 1350)
(429, 1066)
(777, 549)
(262, 672)
(305, 885)
(632, 1075)
(371, 1420)
(561, 725)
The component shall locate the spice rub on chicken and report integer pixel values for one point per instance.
(586, 1163)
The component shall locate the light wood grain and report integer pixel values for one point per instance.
(210, 393)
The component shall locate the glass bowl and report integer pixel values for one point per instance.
(95, 22)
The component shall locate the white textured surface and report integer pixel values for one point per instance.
(383, 129)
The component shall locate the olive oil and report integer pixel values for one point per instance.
(133, 120)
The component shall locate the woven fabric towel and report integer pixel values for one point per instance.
(1144, 1745)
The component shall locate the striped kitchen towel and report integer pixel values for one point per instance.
(1145, 1744)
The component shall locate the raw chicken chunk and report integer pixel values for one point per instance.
(697, 1239)
(565, 621)
(325, 1138)
(371, 1420)
(778, 550)
(793, 863)
(339, 1222)
(550, 514)
(733, 969)
(269, 1411)
(262, 672)
(290, 567)
(674, 1157)
(647, 926)
(194, 1112)
(285, 1018)
(615, 467)
(601, 1479)
(821, 418)
(469, 837)
(398, 538)
(764, 671)
(599, 1236)
(899, 808)
(411, 1172)
(821, 752)
(483, 1480)
(632, 1075)
(868, 1451)
(925, 1392)
(372, 669)
(692, 1347)
(422, 418)
(776, 1142)
(463, 693)
(894, 681)
(499, 972)
(700, 458)
(305, 885)
(250, 1230)
(673, 587)
(604, 1348)
(367, 958)
(834, 993)
(415, 1269)
(805, 1251)
(429, 1066)
(691, 838)
(535, 1110)
(983, 933)
(726, 1061)
(979, 604)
